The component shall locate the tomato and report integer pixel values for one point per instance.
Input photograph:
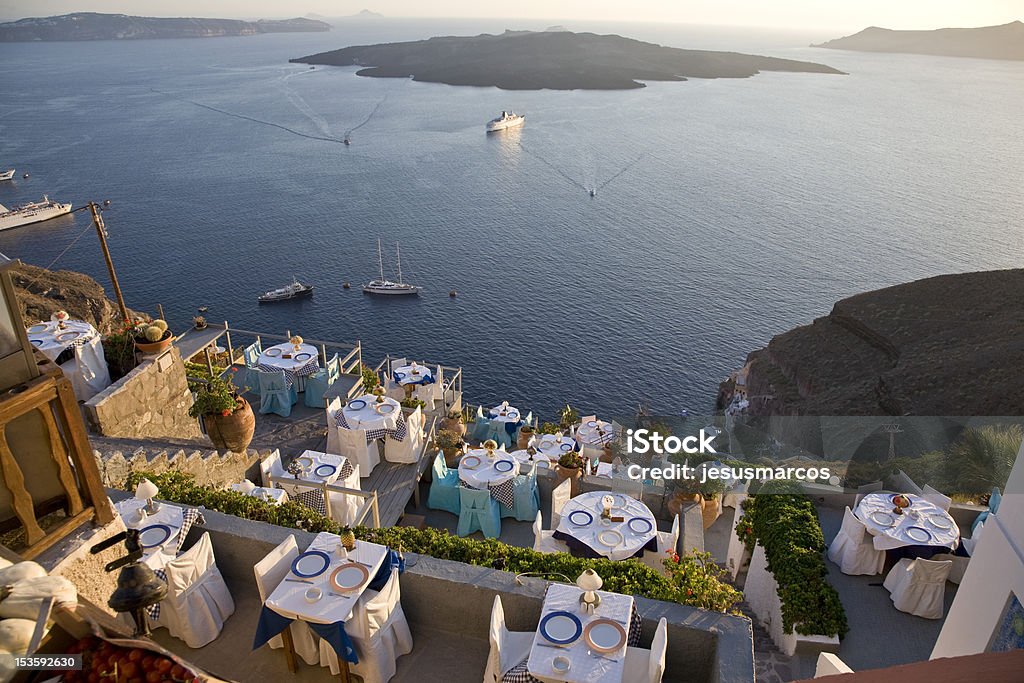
(147, 662)
(154, 677)
(129, 669)
(178, 672)
(163, 665)
(135, 654)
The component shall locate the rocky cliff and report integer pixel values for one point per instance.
(96, 26)
(42, 292)
(948, 345)
(987, 42)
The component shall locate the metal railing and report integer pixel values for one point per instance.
(350, 362)
(369, 506)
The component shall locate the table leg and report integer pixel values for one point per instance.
(289, 648)
(344, 675)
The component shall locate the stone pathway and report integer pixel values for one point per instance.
(770, 665)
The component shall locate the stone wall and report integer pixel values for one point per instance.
(151, 401)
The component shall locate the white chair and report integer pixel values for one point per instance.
(271, 466)
(634, 488)
(198, 601)
(425, 393)
(560, 495)
(395, 364)
(333, 442)
(544, 541)
(936, 498)
(667, 540)
(379, 632)
(904, 484)
(407, 451)
(508, 648)
(865, 490)
(438, 385)
(918, 586)
(90, 375)
(971, 544)
(270, 572)
(393, 389)
(354, 447)
(647, 666)
(852, 548)
(959, 568)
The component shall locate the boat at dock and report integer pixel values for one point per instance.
(7, 175)
(33, 212)
(508, 119)
(385, 286)
(293, 291)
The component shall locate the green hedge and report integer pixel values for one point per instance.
(697, 586)
(786, 525)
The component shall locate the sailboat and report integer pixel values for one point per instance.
(383, 286)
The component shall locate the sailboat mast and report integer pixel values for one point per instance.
(399, 252)
(380, 260)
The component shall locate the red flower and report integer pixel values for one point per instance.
(226, 412)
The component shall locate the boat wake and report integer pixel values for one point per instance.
(554, 168)
(368, 118)
(620, 172)
(299, 102)
(301, 134)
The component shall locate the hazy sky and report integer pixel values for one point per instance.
(841, 14)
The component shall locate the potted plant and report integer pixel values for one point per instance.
(450, 443)
(411, 403)
(370, 379)
(199, 322)
(570, 466)
(119, 352)
(711, 500)
(568, 417)
(548, 428)
(454, 422)
(525, 434)
(153, 337)
(227, 417)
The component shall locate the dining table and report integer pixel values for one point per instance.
(504, 413)
(379, 419)
(340, 576)
(631, 530)
(595, 433)
(922, 523)
(413, 374)
(296, 364)
(495, 473)
(78, 349)
(326, 468)
(571, 645)
(554, 445)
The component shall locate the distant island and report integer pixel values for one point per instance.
(366, 14)
(96, 26)
(527, 60)
(987, 42)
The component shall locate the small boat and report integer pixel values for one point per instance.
(293, 291)
(384, 286)
(508, 119)
(7, 175)
(593, 193)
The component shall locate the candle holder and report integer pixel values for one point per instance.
(490, 445)
(589, 582)
(899, 502)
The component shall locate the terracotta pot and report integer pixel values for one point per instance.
(711, 508)
(524, 439)
(232, 432)
(680, 501)
(454, 425)
(572, 473)
(155, 347)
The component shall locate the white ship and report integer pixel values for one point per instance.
(33, 212)
(508, 119)
(293, 291)
(7, 175)
(383, 286)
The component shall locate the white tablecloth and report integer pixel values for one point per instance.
(547, 445)
(406, 377)
(171, 515)
(368, 418)
(47, 340)
(583, 667)
(918, 514)
(511, 414)
(343, 506)
(589, 435)
(273, 496)
(289, 598)
(290, 366)
(625, 506)
(523, 457)
(484, 475)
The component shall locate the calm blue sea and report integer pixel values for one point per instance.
(727, 211)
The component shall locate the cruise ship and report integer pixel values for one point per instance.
(508, 119)
(33, 212)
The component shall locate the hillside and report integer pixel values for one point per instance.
(560, 60)
(43, 292)
(96, 26)
(987, 42)
(947, 345)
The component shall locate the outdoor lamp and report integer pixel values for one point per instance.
(147, 490)
(589, 582)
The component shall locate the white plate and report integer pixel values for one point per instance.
(882, 518)
(36, 329)
(610, 538)
(272, 353)
(470, 462)
(939, 522)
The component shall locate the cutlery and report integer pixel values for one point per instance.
(299, 580)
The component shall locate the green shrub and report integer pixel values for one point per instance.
(786, 525)
(696, 583)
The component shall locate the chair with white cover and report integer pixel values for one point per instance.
(508, 648)
(393, 389)
(333, 440)
(904, 484)
(667, 540)
(482, 426)
(935, 497)
(437, 388)
(270, 572)
(865, 490)
(198, 601)
(425, 393)
(90, 375)
(853, 550)
(407, 451)
(918, 586)
(648, 666)
(271, 466)
(560, 495)
(396, 363)
(353, 446)
(545, 541)
(379, 632)
(634, 488)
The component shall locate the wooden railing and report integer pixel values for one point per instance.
(60, 434)
(369, 506)
(350, 360)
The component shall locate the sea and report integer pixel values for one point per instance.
(725, 211)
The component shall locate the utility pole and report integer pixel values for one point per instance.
(101, 230)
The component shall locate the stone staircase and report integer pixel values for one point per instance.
(770, 664)
(117, 458)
